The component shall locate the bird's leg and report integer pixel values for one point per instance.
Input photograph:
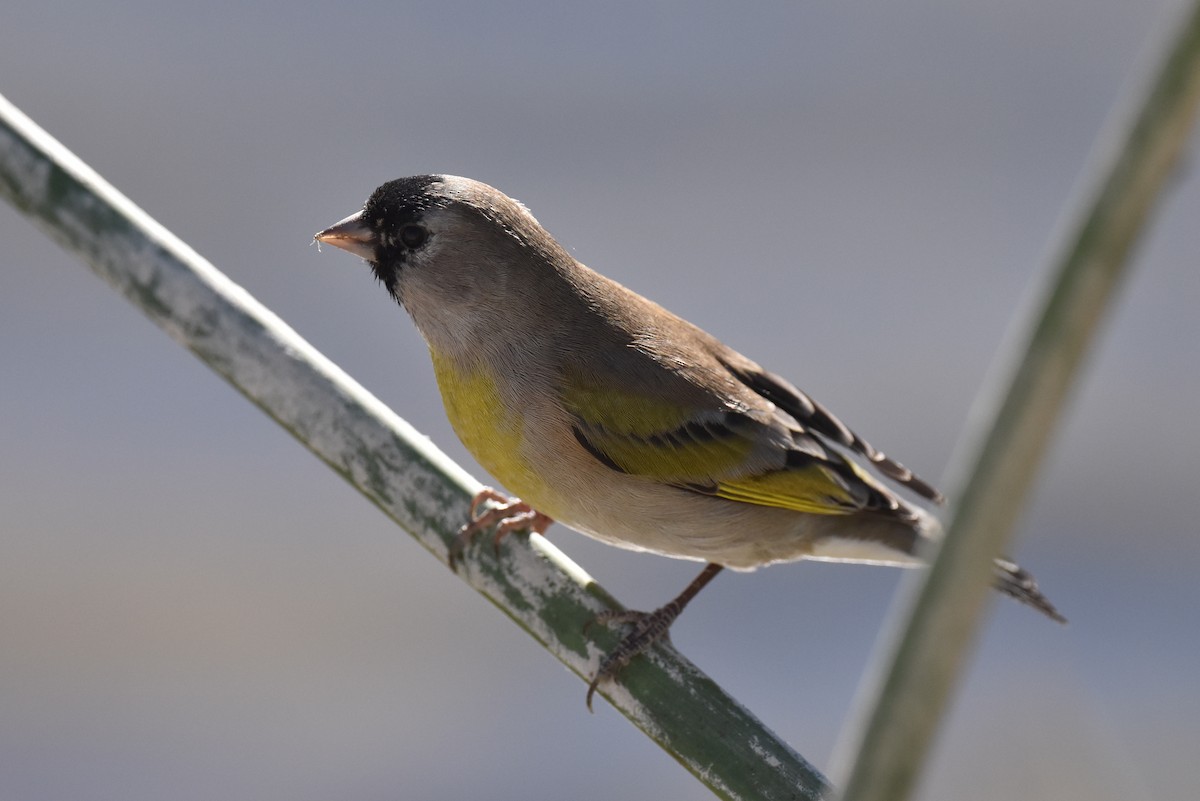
(508, 515)
(648, 628)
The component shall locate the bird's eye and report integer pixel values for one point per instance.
(413, 236)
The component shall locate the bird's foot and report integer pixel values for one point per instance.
(507, 515)
(648, 628)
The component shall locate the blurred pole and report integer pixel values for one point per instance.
(904, 696)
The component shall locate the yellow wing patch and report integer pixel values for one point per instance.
(672, 456)
(649, 436)
(723, 453)
(620, 412)
(808, 489)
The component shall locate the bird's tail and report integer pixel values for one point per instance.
(1007, 576)
(1012, 580)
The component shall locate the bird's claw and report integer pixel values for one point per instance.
(508, 515)
(648, 628)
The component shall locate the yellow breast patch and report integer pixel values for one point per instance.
(492, 434)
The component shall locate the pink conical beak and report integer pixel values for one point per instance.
(351, 235)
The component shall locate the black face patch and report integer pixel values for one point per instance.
(391, 209)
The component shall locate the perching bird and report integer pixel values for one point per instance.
(608, 413)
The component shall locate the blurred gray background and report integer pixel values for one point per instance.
(857, 195)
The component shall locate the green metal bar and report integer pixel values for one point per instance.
(938, 614)
(402, 473)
